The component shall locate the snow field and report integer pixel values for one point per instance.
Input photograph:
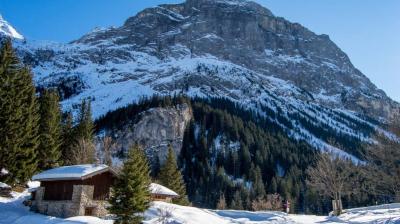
(13, 212)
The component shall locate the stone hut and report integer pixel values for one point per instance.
(81, 190)
(161, 193)
(73, 191)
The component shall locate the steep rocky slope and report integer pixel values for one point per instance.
(155, 129)
(249, 35)
(234, 49)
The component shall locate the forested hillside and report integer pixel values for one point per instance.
(232, 157)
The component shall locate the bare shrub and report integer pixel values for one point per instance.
(84, 152)
(165, 214)
(272, 202)
(108, 147)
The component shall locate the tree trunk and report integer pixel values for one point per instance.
(337, 204)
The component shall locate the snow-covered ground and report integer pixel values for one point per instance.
(13, 212)
(383, 214)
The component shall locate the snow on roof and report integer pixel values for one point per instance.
(70, 172)
(33, 184)
(159, 189)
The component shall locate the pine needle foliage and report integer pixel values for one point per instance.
(171, 177)
(50, 130)
(18, 118)
(130, 194)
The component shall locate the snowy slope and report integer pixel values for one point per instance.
(306, 89)
(6, 30)
(119, 80)
(381, 214)
(13, 212)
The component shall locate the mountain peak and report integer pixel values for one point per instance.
(230, 2)
(247, 34)
(8, 31)
(245, 4)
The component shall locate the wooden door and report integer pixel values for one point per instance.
(89, 211)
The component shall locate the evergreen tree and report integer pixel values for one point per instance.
(50, 130)
(237, 203)
(130, 194)
(258, 185)
(83, 147)
(68, 139)
(85, 127)
(171, 177)
(155, 168)
(18, 118)
(274, 186)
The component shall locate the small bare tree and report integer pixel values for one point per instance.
(165, 213)
(108, 147)
(221, 205)
(84, 152)
(272, 202)
(331, 177)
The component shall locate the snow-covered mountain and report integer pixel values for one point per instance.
(234, 49)
(6, 30)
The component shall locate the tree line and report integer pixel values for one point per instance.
(35, 134)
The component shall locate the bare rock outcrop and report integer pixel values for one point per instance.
(156, 128)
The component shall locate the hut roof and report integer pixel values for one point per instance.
(75, 172)
(161, 190)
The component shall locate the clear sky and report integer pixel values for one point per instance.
(367, 30)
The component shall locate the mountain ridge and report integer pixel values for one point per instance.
(217, 48)
(8, 31)
(302, 51)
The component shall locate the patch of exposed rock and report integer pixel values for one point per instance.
(155, 129)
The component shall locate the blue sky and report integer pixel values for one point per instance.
(367, 30)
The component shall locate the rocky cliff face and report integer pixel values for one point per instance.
(155, 129)
(234, 49)
(249, 35)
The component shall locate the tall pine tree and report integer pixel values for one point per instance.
(131, 191)
(85, 127)
(83, 148)
(68, 139)
(171, 177)
(18, 118)
(50, 130)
